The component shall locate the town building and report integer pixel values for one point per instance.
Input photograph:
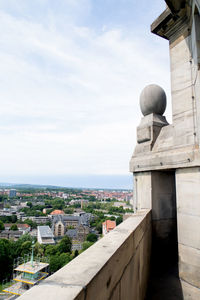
(76, 227)
(122, 204)
(37, 220)
(107, 226)
(11, 234)
(78, 234)
(63, 222)
(45, 235)
(76, 246)
(12, 193)
(25, 228)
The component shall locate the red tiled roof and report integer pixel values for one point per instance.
(18, 225)
(23, 225)
(57, 212)
(110, 224)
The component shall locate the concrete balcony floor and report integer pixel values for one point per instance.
(165, 285)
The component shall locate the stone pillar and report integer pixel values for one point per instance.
(166, 160)
(155, 189)
(188, 210)
(142, 191)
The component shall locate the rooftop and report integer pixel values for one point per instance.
(45, 231)
(57, 212)
(31, 268)
(110, 224)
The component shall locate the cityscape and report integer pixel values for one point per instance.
(44, 220)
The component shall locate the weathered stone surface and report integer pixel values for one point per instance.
(189, 265)
(142, 191)
(116, 293)
(188, 230)
(143, 134)
(130, 288)
(188, 191)
(190, 292)
(181, 78)
(52, 290)
(148, 131)
(176, 147)
(176, 144)
(153, 100)
(145, 257)
(175, 5)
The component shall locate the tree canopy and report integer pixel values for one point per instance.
(1, 225)
(92, 237)
(14, 227)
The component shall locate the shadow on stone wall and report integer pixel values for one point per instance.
(164, 282)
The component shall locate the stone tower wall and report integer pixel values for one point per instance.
(166, 162)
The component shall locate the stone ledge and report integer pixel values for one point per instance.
(98, 273)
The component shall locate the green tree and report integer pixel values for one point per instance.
(29, 204)
(64, 259)
(58, 261)
(68, 211)
(13, 218)
(38, 249)
(30, 223)
(108, 200)
(6, 258)
(86, 245)
(3, 198)
(119, 220)
(65, 245)
(51, 250)
(19, 247)
(1, 225)
(58, 204)
(92, 198)
(14, 227)
(99, 227)
(92, 237)
(48, 223)
(76, 253)
(54, 264)
(26, 248)
(7, 205)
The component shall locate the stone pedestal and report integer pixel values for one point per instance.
(148, 131)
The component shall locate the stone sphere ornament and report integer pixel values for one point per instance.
(153, 100)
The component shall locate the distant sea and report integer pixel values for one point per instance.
(75, 181)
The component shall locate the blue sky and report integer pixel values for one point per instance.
(71, 75)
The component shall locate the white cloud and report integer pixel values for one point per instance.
(69, 99)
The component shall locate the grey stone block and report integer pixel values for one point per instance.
(189, 265)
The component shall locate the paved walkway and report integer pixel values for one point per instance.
(165, 285)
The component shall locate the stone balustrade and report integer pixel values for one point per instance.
(116, 267)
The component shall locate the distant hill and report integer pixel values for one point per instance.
(110, 182)
(27, 186)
